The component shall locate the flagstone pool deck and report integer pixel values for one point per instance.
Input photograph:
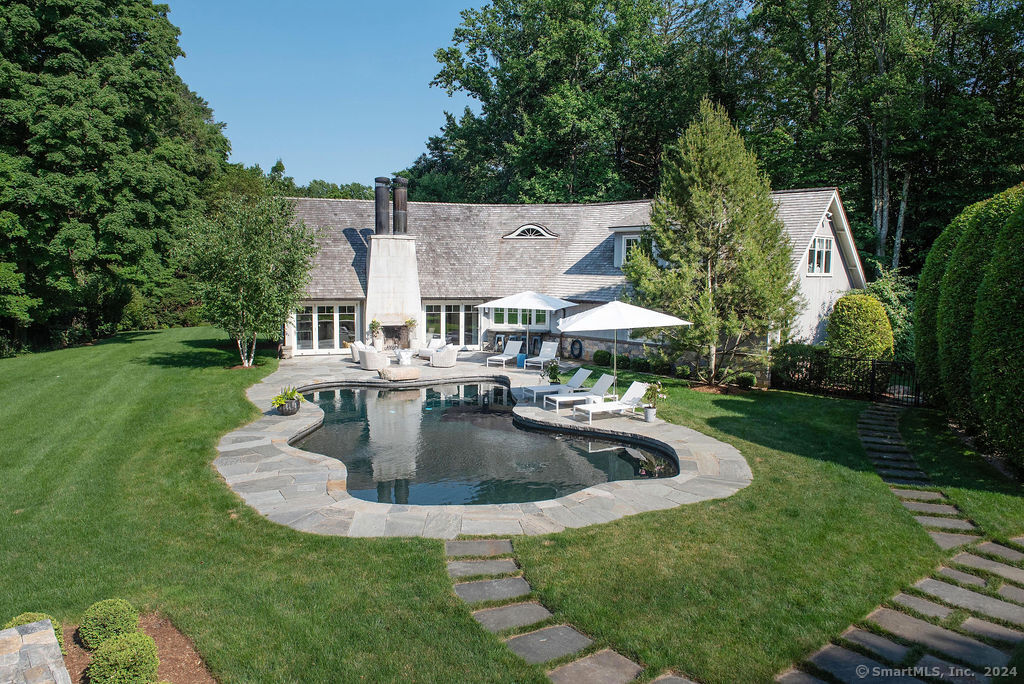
(307, 491)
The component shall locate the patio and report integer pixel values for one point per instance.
(307, 491)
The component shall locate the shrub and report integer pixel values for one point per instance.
(858, 327)
(602, 358)
(125, 659)
(958, 297)
(29, 618)
(640, 365)
(660, 365)
(106, 619)
(622, 361)
(683, 371)
(798, 365)
(896, 294)
(997, 342)
(745, 380)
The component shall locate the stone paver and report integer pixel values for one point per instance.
(511, 617)
(921, 507)
(603, 667)
(1019, 541)
(922, 494)
(548, 643)
(1004, 552)
(944, 523)
(996, 568)
(481, 567)
(478, 547)
(962, 577)
(945, 641)
(798, 677)
(308, 492)
(1011, 592)
(950, 672)
(950, 540)
(492, 590)
(29, 654)
(886, 648)
(992, 630)
(922, 606)
(850, 666)
(972, 600)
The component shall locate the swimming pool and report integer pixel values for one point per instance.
(456, 444)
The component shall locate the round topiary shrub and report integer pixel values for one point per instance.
(958, 297)
(746, 380)
(29, 618)
(640, 365)
(125, 659)
(623, 362)
(602, 358)
(106, 619)
(858, 327)
(997, 343)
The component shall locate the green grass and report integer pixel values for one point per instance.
(108, 492)
(992, 501)
(736, 590)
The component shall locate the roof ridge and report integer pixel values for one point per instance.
(830, 188)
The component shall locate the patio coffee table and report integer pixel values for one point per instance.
(405, 356)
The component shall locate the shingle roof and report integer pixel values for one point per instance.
(461, 253)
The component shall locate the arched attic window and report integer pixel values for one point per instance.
(531, 231)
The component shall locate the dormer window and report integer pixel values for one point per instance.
(531, 231)
(819, 257)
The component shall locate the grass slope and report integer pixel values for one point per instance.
(737, 589)
(108, 492)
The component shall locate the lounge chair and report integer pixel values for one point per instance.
(510, 353)
(631, 400)
(547, 355)
(445, 357)
(595, 393)
(433, 345)
(371, 359)
(575, 384)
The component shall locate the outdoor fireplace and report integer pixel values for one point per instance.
(396, 336)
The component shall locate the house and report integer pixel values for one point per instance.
(439, 261)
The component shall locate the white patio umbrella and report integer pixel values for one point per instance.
(616, 316)
(528, 300)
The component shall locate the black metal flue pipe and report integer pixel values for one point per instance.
(380, 195)
(401, 205)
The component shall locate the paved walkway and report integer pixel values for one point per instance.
(30, 654)
(307, 491)
(952, 626)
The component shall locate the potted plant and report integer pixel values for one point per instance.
(287, 402)
(377, 334)
(411, 323)
(651, 397)
(553, 373)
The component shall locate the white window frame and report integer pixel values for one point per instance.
(530, 231)
(336, 319)
(465, 307)
(820, 257)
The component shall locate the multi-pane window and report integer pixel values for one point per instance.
(433, 320)
(532, 317)
(325, 327)
(819, 256)
(499, 317)
(304, 328)
(512, 317)
(540, 317)
(628, 244)
(347, 323)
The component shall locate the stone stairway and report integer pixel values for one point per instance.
(488, 578)
(953, 626)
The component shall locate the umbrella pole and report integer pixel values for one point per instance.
(615, 361)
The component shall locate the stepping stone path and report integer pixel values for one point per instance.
(522, 623)
(985, 581)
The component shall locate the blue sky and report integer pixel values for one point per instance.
(338, 90)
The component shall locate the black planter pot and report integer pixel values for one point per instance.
(290, 408)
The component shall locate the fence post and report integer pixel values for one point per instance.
(871, 392)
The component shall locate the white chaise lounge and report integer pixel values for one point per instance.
(595, 393)
(547, 355)
(575, 384)
(630, 401)
(510, 353)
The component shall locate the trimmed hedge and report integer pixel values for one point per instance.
(622, 362)
(746, 380)
(125, 659)
(640, 365)
(107, 619)
(29, 618)
(602, 358)
(858, 327)
(958, 297)
(997, 342)
(926, 305)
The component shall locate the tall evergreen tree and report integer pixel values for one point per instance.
(718, 255)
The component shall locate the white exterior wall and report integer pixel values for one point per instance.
(820, 291)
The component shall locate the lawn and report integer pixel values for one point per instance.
(108, 491)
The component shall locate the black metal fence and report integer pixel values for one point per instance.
(894, 382)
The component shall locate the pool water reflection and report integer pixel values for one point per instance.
(456, 444)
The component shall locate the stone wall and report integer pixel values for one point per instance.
(30, 654)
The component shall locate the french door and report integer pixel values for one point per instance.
(455, 323)
(322, 328)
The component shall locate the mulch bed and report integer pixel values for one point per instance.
(179, 661)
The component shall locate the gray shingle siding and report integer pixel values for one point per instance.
(461, 252)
